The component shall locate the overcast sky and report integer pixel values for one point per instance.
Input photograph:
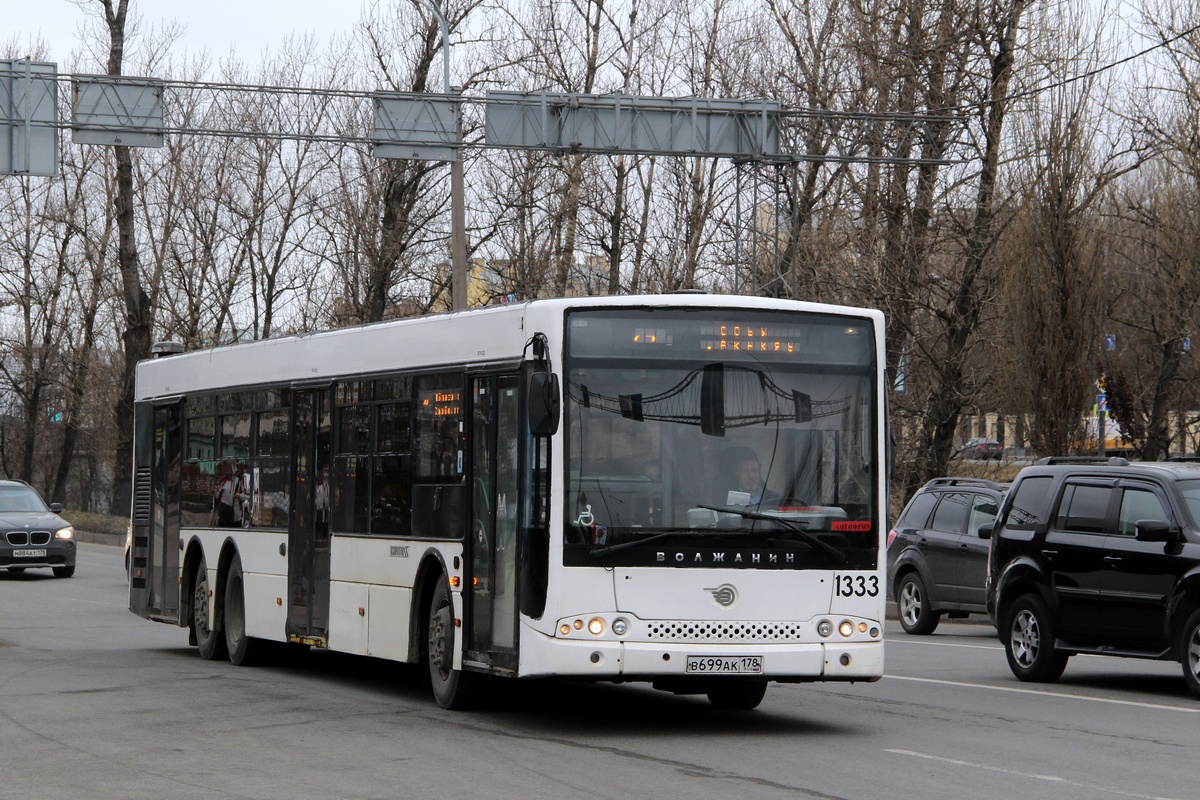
(250, 26)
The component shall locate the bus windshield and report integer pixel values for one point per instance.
(716, 438)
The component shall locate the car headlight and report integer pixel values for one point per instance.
(65, 533)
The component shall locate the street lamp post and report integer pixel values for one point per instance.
(458, 213)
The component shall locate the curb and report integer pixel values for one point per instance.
(91, 537)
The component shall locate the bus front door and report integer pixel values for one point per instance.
(309, 526)
(495, 512)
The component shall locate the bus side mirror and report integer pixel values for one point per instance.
(544, 404)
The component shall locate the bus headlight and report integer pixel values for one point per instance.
(824, 628)
(846, 628)
(595, 626)
(620, 627)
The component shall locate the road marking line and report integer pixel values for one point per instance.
(1037, 693)
(946, 644)
(1033, 775)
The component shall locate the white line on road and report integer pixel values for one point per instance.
(1049, 778)
(929, 643)
(1039, 693)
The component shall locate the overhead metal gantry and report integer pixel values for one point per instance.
(754, 134)
(139, 112)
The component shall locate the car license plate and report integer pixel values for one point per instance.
(29, 553)
(725, 665)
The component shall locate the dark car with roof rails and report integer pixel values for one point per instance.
(937, 561)
(32, 534)
(1098, 556)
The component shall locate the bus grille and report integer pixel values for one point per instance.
(709, 631)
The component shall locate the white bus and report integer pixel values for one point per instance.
(530, 490)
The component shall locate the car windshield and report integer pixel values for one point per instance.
(687, 430)
(17, 499)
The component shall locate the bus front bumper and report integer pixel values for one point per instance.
(618, 660)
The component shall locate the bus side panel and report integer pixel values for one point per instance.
(264, 565)
(261, 551)
(348, 608)
(266, 614)
(371, 592)
(387, 633)
(264, 574)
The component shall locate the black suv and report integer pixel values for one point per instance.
(937, 561)
(1098, 556)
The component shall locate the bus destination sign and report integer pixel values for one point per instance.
(440, 403)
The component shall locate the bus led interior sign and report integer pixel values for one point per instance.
(441, 403)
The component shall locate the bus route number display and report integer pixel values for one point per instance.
(749, 339)
(732, 338)
(440, 403)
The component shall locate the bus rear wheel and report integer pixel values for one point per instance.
(209, 641)
(452, 688)
(737, 694)
(244, 650)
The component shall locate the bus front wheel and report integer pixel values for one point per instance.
(452, 688)
(737, 694)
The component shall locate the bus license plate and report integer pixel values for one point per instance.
(29, 553)
(725, 665)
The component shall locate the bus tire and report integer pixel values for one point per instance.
(245, 651)
(452, 688)
(737, 694)
(210, 642)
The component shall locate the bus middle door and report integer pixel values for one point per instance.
(309, 526)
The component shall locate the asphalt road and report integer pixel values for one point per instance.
(97, 703)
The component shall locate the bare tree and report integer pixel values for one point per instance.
(1155, 275)
(1055, 256)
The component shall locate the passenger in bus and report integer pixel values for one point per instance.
(230, 493)
(241, 504)
(321, 499)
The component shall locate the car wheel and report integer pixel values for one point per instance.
(209, 641)
(1189, 652)
(737, 694)
(912, 606)
(1029, 642)
(64, 572)
(452, 688)
(245, 651)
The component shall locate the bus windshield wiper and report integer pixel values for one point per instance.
(792, 525)
(685, 533)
